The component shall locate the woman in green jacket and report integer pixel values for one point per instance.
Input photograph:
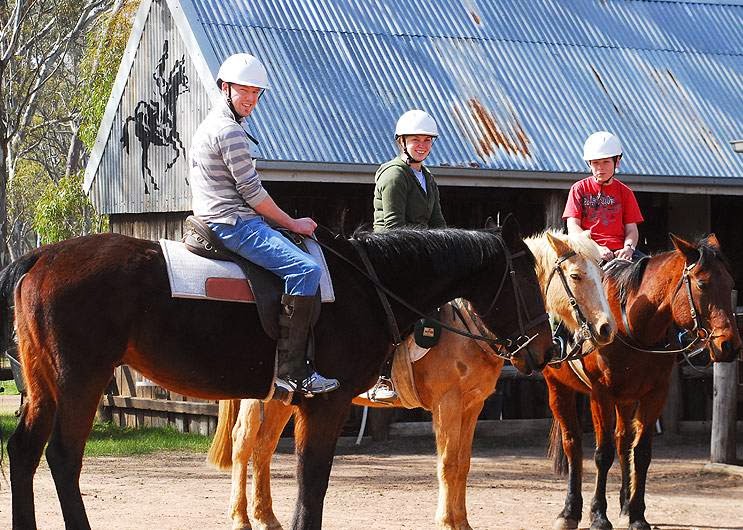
(405, 193)
(406, 196)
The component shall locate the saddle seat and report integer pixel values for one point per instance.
(200, 267)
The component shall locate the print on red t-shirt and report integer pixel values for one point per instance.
(604, 210)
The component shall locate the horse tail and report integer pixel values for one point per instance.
(9, 278)
(220, 451)
(555, 450)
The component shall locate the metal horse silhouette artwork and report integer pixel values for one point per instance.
(155, 120)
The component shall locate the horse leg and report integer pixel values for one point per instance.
(25, 446)
(76, 408)
(244, 434)
(447, 422)
(563, 405)
(467, 433)
(602, 413)
(318, 423)
(647, 414)
(276, 417)
(623, 435)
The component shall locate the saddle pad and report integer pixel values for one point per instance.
(192, 276)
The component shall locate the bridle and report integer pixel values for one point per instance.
(584, 331)
(702, 334)
(507, 347)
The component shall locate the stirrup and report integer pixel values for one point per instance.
(382, 392)
(318, 384)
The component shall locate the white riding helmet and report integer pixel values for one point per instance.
(602, 144)
(243, 69)
(416, 122)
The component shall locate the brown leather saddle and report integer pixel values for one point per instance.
(265, 286)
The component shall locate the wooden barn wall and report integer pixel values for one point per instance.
(345, 208)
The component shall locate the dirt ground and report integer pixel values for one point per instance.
(391, 485)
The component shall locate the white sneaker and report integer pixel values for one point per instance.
(382, 392)
(318, 384)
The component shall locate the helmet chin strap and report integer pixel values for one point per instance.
(235, 114)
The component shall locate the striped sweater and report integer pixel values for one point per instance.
(224, 182)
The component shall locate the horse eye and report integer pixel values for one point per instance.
(575, 276)
(701, 284)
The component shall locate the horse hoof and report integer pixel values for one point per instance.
(601, 524)
(562, 523)
(640, 525)
(270, 525)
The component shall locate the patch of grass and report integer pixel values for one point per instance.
(9, 388)
(110, 440)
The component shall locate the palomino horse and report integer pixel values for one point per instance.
(87, 305)
(628, 380)
(452, 380)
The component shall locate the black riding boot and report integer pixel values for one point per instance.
(294, 324)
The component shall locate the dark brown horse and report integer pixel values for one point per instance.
(627, 380)
(90, 304)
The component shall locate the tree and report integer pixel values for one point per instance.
(39, 39)
(64, 211)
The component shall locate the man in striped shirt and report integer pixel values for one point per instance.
(229, 197)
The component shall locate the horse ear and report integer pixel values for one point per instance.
(558, 245)
(711, 241)
(689, 250)
(511, 230)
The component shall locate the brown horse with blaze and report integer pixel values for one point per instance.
(627, 380)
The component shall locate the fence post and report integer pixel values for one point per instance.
(724, 404)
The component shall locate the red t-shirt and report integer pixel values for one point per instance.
(604, 210)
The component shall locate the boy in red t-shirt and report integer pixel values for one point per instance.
(602, 204)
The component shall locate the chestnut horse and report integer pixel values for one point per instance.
(87, 305)
(627, 380)
(452, 380)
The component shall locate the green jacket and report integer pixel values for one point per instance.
(399, 200)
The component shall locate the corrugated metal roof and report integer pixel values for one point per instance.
(514, 85)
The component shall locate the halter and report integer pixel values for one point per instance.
(584, 332)
(504, 345)
(703, 336)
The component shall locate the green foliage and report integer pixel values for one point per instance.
(64, 211)
(103, 53)
(110, 440)
(9, 388)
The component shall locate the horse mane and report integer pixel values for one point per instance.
(443, 249)
(582, 244)
(628, 274)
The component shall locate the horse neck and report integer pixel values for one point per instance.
(649, 308)
(428, 273)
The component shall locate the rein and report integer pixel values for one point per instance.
(520, 342)
(703, 336)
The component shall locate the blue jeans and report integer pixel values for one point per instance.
(257, 242)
